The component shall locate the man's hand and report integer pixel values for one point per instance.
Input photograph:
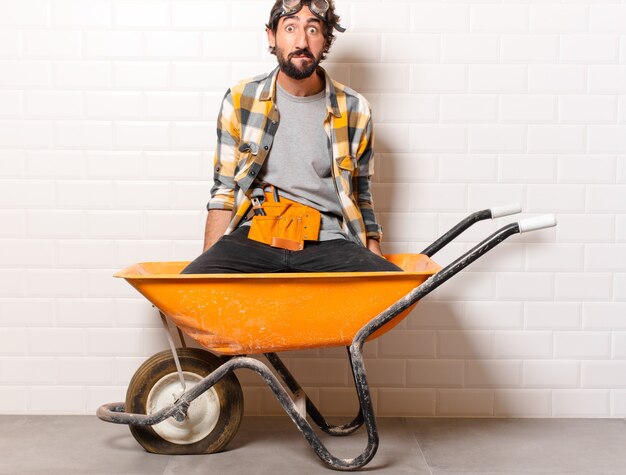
(374, 246)
(216, 224)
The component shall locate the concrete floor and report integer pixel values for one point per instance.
(272, 445)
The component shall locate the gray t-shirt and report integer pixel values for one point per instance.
(299, 164)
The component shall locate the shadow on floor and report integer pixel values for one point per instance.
(270, 445)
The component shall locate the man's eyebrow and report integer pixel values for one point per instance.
(312, 19)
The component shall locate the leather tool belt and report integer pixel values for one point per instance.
(283, 223)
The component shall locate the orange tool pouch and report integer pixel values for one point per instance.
(286, 224)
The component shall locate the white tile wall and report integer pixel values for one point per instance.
(107, 118)
(580, 403)
(27, 13)
(548, 373)
(465, 402)
(522, 403)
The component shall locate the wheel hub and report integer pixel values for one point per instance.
(202, 414)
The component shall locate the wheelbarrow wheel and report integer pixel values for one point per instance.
(212, 419)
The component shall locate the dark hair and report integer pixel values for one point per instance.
(331, 21)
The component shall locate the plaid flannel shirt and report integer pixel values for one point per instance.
(246, 127)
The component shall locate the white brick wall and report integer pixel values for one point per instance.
(107, 117)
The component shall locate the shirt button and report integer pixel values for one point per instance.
(252, 173)
(266, 147)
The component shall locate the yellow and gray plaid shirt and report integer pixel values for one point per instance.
(246, 127)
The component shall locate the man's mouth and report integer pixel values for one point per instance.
(301, 55)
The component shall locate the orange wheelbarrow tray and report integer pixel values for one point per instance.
(188, 401)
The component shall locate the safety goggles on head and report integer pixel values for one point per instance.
(318, 7)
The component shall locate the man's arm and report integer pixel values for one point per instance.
(216, 223)
(374, 246)
(222, 202)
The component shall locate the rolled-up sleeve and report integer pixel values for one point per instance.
(226, 156)
(362, 180)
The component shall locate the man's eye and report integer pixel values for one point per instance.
(289, 29)
(313, 31)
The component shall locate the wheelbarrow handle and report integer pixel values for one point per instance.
(524, 225)
(537, 222)
(506, 210)
(462, 226)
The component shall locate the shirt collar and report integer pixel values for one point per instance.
(332, 104)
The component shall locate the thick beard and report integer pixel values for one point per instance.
(287, 67)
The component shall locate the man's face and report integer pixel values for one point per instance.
(299, 42)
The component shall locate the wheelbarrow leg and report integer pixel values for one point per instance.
(170, 341)
(311, 409)
(303, 425)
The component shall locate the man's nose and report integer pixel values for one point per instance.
(302, 42)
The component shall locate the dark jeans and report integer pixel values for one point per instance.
(235, 254)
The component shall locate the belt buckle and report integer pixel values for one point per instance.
(257, 207)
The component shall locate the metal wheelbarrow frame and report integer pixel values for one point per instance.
(297, 404)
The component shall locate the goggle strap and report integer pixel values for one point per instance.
(291, 7)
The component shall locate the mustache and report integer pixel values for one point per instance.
(301, 52)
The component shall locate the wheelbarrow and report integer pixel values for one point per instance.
(189, 401)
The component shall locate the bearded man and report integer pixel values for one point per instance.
(293, 162)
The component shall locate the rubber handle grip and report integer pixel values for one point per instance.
(538, 222)
(506, 210)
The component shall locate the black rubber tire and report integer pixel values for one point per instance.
(201, 363)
